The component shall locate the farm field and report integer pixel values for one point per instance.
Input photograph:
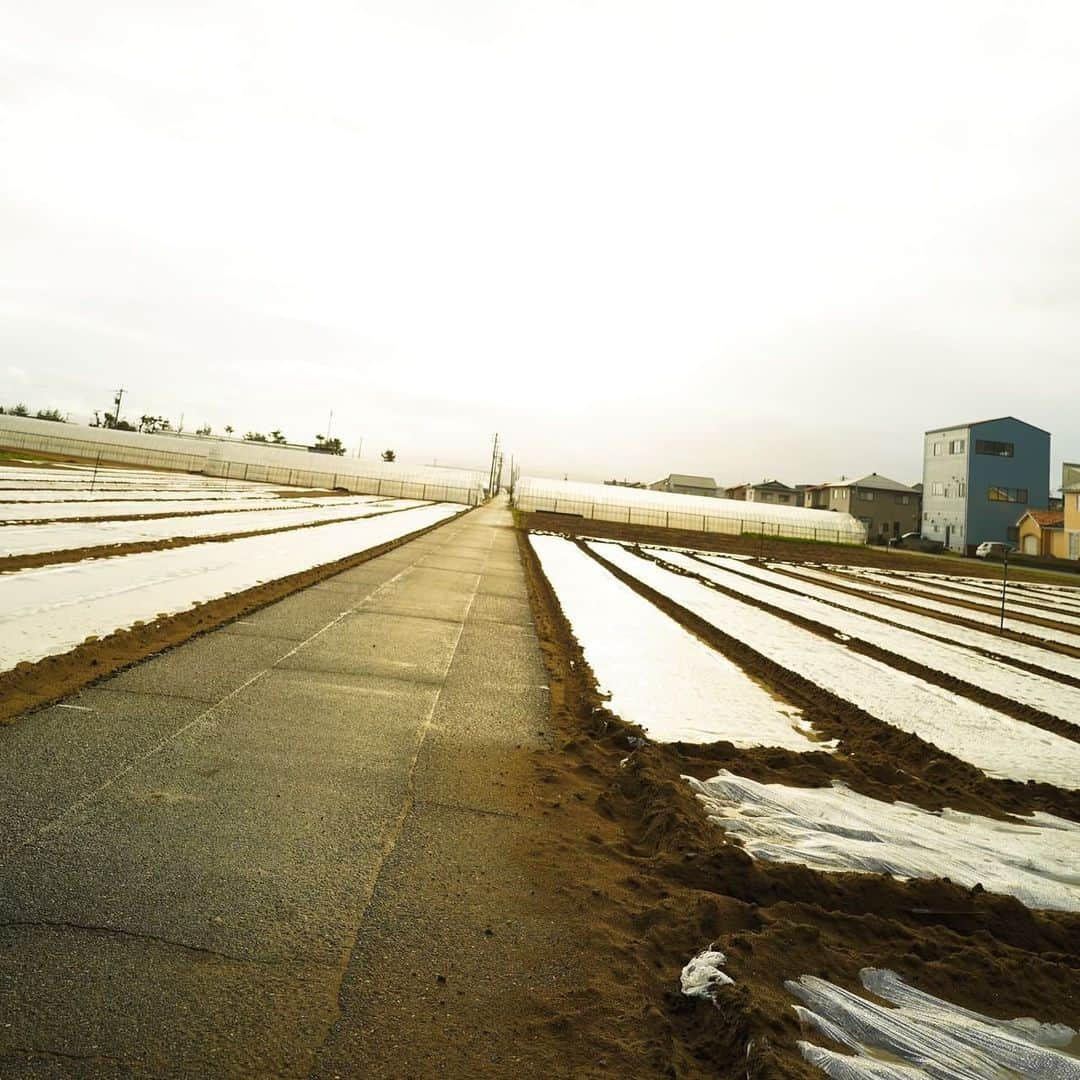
(874, 792)
(82, 568)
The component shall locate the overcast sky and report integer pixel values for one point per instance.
(743, 239)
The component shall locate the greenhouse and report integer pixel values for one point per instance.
(239, 459)
(696, 513)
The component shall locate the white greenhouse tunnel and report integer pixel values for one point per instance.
(640, 506)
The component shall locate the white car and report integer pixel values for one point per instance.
(993, 549)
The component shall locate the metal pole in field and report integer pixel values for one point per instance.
(93, 479)
(1004, 586)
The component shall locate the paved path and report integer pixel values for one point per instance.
(284, 848)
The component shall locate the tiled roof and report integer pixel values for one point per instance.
(1047, 519)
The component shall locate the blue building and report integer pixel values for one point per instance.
(979, 478)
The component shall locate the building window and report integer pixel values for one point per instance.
(781, 498)
(937, 449)
(938, 488)
(961, 489)
(956, 446)
(1009, 495)
(902, 500)
(866, 496)
(994, 449)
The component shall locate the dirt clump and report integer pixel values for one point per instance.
(660, 883)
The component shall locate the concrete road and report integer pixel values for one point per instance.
(286, 847)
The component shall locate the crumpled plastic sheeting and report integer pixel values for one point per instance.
(919, 1035)
(837, 829)
(702, 977)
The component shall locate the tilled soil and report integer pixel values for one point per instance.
(786, 549)
(661, 883)
(32, 685)
(138, 547)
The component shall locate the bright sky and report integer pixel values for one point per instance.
(743, 239)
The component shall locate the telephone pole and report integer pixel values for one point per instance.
(491, 473)
(116, 405)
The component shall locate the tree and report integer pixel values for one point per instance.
(19, 410)
(204, 430)
(229, 429)
(277, 437)
(255, 436)
(50, 414)
(96, 422)
(389, 455)
(334, 446)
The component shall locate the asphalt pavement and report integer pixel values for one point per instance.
(286, 848)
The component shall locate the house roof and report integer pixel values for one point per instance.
(769, 485)
(873, 480)
(1046, 519)
(991, 420)
(683, 480)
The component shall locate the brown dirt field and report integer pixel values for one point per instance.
(786, 550)
(660, 883)
(32, 686)
(52, 558)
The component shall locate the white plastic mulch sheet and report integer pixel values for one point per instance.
(966, 636)
(834, 829)
(983, 737)
(658, 675)
(140, 493)
(919, 1035)
(985, 599)
(866, 585)
(1046, 694)
(114, 506)
(49, 611)
(36, 539)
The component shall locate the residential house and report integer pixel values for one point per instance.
(768, 491)
(1042, 532)
(886, 507)
(682, 484)
(978, 477)
(1070, 490)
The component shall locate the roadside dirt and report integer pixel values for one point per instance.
(660, 883)
(31, 686)
(51, 558)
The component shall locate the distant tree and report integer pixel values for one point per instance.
(204, 430)
(19, 410)
(255, 436)
(229, 429)
(334, 446)
(50, 414)
(96, 422)
(277, 437)
(119, 425)
(163, 424)
(389, 455)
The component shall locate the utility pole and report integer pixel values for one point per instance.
(116, 405)
(491, 473)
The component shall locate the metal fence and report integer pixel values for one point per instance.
(239, 461)
(687, 512)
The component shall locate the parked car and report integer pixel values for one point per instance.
(994, 549)
(914, 541)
